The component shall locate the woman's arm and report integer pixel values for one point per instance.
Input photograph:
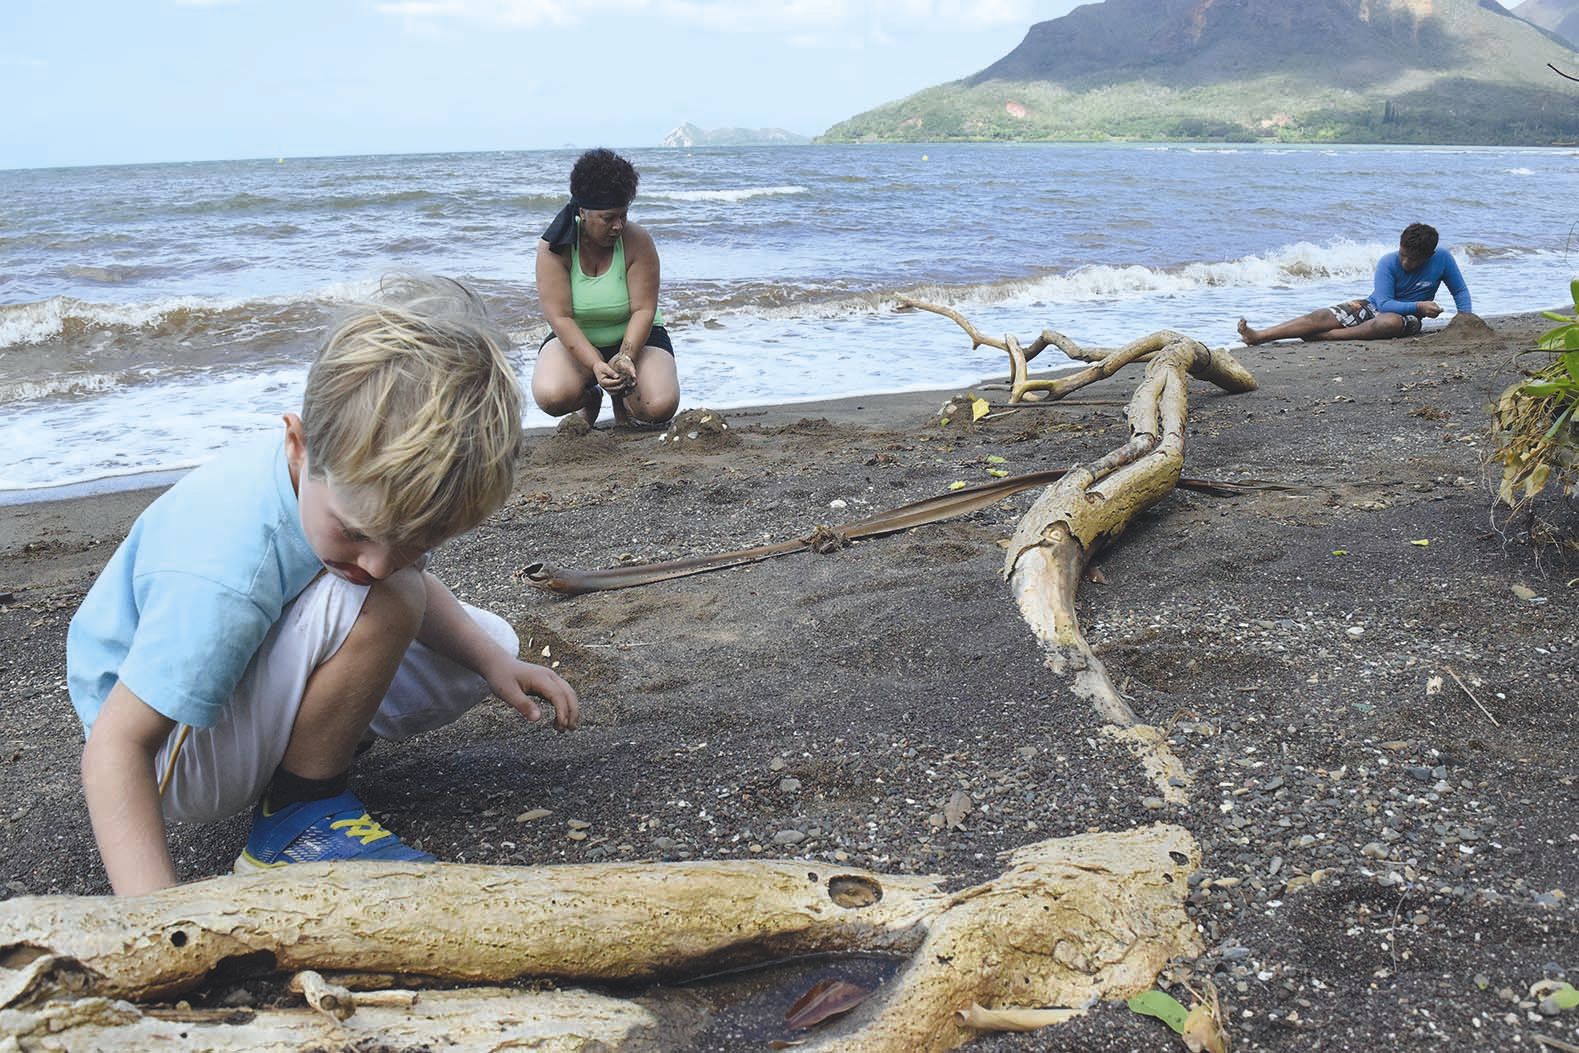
(449, 630)
(123, 795)
(641, 280)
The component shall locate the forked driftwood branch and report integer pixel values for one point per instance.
(1093, 503)
(1217, 366)
(1072, 921)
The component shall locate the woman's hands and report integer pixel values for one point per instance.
(617, 376)
(518, 683)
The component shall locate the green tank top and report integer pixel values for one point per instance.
(601, 306)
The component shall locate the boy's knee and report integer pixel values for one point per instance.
(398, 603)
(1389, 325)
(498, 630)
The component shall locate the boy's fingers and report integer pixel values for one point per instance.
(524, 704)
(567, 712)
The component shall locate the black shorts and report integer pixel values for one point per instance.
(658, 337)
(1349, 316)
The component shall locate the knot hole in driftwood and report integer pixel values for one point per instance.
(851, 891)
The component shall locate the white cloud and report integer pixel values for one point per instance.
(206, 3)
(735, 16)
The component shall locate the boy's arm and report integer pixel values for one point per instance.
(1454, 279)
(449, 630)
(1384, 290)
(123, 796)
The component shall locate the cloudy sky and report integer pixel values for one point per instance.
(115, 81)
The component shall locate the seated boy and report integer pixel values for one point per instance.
(1403, 292)
(271, 611)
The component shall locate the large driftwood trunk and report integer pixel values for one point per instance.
(1093, 503)
(1073, 920)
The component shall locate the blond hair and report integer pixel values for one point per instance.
(413, 404)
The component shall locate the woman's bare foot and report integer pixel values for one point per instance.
(622, 415)
(592, 404)
(1248, 335)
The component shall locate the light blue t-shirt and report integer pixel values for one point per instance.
(185, 602)
(1397, 291)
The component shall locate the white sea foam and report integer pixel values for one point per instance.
(735, 195)
(1521, 171)
(141, 428)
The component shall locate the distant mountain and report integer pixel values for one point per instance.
(1559, 16)
(1449, 71)
(690, 135)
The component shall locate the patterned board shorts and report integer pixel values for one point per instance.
(1354, 312)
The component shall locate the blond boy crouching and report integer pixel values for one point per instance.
(271, 610)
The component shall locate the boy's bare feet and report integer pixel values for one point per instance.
(1248, 335)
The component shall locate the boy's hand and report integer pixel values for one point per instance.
(1428, 308)
(520, 681)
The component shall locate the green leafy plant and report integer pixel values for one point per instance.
(1534, 420)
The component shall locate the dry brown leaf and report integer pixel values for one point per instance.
(825, 999)
(957, 808)
(1203, 1027)
(1013, 1019)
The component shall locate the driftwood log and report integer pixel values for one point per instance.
(1072, 921)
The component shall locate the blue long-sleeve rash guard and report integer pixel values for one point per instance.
(1399, 291)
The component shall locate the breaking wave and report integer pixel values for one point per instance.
(740, 194)
(1286, 267)
(186, 316)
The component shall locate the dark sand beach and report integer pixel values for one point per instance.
(1384, 868)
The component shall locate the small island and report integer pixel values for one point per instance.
(688, 134)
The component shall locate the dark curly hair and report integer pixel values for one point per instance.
(603, 176)
(1418, 240)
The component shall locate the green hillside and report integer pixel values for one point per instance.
(1428, 71)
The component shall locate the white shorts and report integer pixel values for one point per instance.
(222, 770)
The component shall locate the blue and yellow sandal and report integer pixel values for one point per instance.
(319, 831)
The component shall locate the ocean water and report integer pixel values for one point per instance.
(150, 314)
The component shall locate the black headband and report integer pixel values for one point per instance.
(562, 230)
